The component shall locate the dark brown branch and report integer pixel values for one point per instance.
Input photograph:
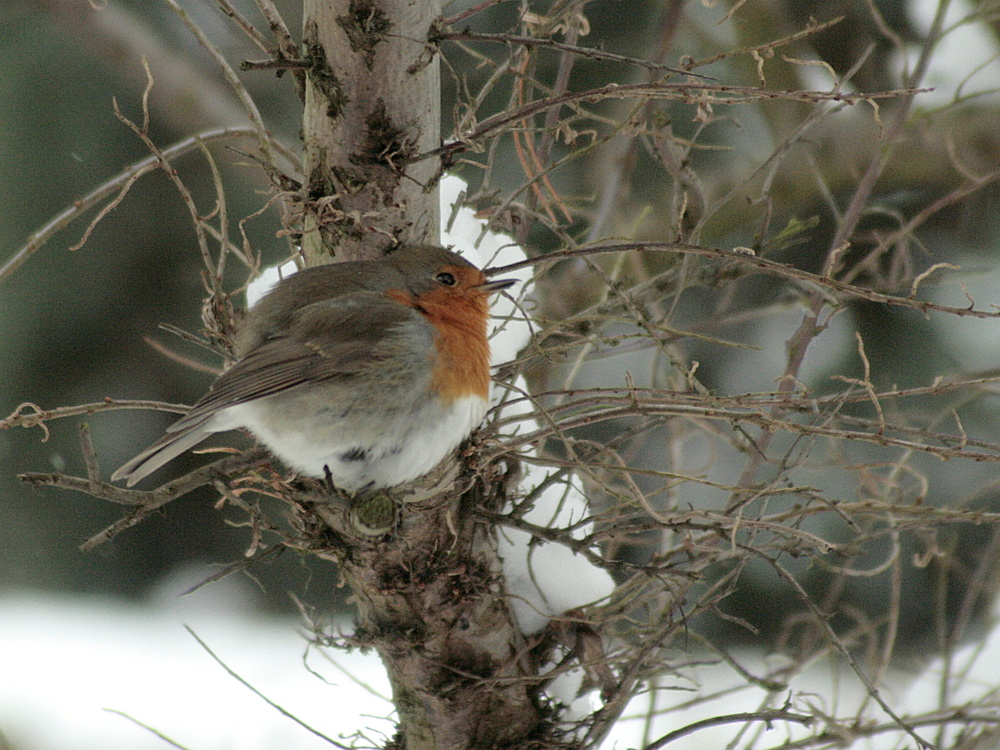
(278, 64)
(478, 7)
(588, 52)
(691, 92)
(145, 502)
(805, 278)
(768, 716)
(37, 417)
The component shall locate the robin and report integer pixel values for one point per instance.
(368, 372)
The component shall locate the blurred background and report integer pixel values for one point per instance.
(74, 323)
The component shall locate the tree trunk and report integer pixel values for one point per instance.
(430, 594)
(373, 102)
(431, 600)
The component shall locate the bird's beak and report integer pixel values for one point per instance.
(497, 286)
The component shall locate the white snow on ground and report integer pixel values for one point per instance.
(68, 665)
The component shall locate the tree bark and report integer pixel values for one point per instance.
(373, 102)
(430, 594)
(431, 600)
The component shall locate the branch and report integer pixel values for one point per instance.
(691, 93)
(121, 182)
(143, 502)
(807, 280)
(588, 52)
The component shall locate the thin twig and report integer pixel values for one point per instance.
(255, 691)
(89, 454)
(248, 28)
(29, 415)
(569, 47)
(37, 240)
(287, 47)
(477, 8)
(767, 716)
(264, 139)
(144, 503)
(683, 92)
(807, 279)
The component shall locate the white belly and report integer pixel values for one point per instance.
(358, 452)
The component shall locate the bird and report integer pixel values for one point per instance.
(365, 373)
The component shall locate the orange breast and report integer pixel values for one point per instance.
(462, 365)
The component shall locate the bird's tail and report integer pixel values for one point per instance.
(166, 449)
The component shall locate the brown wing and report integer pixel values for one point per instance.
(336, 338)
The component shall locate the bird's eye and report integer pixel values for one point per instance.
(445, 278)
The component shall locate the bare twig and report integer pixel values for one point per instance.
(805, 278)
(120, 183)
(691, 92)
